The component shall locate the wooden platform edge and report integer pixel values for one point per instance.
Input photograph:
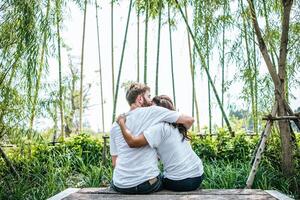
(278, 195)
(64, 193)
(69, 191)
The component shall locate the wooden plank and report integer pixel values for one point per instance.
(278, 195)
(103, 190)
(216, 192)
(86, 196)
(281, 118)
(64, 194)
(167, 192)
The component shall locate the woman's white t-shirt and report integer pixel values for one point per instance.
(178, 158)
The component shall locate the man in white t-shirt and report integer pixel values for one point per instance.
(136, 169)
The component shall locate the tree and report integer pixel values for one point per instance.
(279, 79)
(71, 105)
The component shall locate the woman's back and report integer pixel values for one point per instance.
(177, 156)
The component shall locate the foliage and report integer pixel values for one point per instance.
(78, 163)
(50, 169)
(224, 147)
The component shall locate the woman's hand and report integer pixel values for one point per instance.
(121, 119)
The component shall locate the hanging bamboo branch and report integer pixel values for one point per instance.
(121, 63)
(171, 52)
(81, 68)
(38, 81)
(100, 68)
(250, 76)
(58, 13)
(268, 28)
(158, 43)
(8, 85)
(205, 68)
(262, 45)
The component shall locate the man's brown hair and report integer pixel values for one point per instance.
(135, 89)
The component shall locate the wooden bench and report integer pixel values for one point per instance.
(207, 194)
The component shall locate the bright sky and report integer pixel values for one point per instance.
(72, 36)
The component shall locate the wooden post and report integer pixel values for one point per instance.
(261, 148)
(105, 137)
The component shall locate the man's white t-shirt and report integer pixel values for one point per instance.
(179, 159)
(137, 165)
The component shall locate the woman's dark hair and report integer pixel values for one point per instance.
(166, 102)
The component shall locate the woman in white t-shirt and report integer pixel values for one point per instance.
(183, 169)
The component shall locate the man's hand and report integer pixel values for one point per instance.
(121, 119)
(186, 120)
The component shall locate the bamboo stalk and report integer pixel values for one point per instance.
(250, 76)
(112, 50)
(192, 68)
(158, 45)
(121, 63)
(81, 68)
(171, 52)
(223, 60)
(100, 67)
(38, 82)
(208, 84)
(146, 41)
(255, 84)
(138, 41)
(58, 12)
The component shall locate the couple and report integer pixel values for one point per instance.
(152, 130)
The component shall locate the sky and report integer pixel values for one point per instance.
(72, 36)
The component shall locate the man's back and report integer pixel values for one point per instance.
(137, 165)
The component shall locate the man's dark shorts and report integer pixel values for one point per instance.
(152, 185)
